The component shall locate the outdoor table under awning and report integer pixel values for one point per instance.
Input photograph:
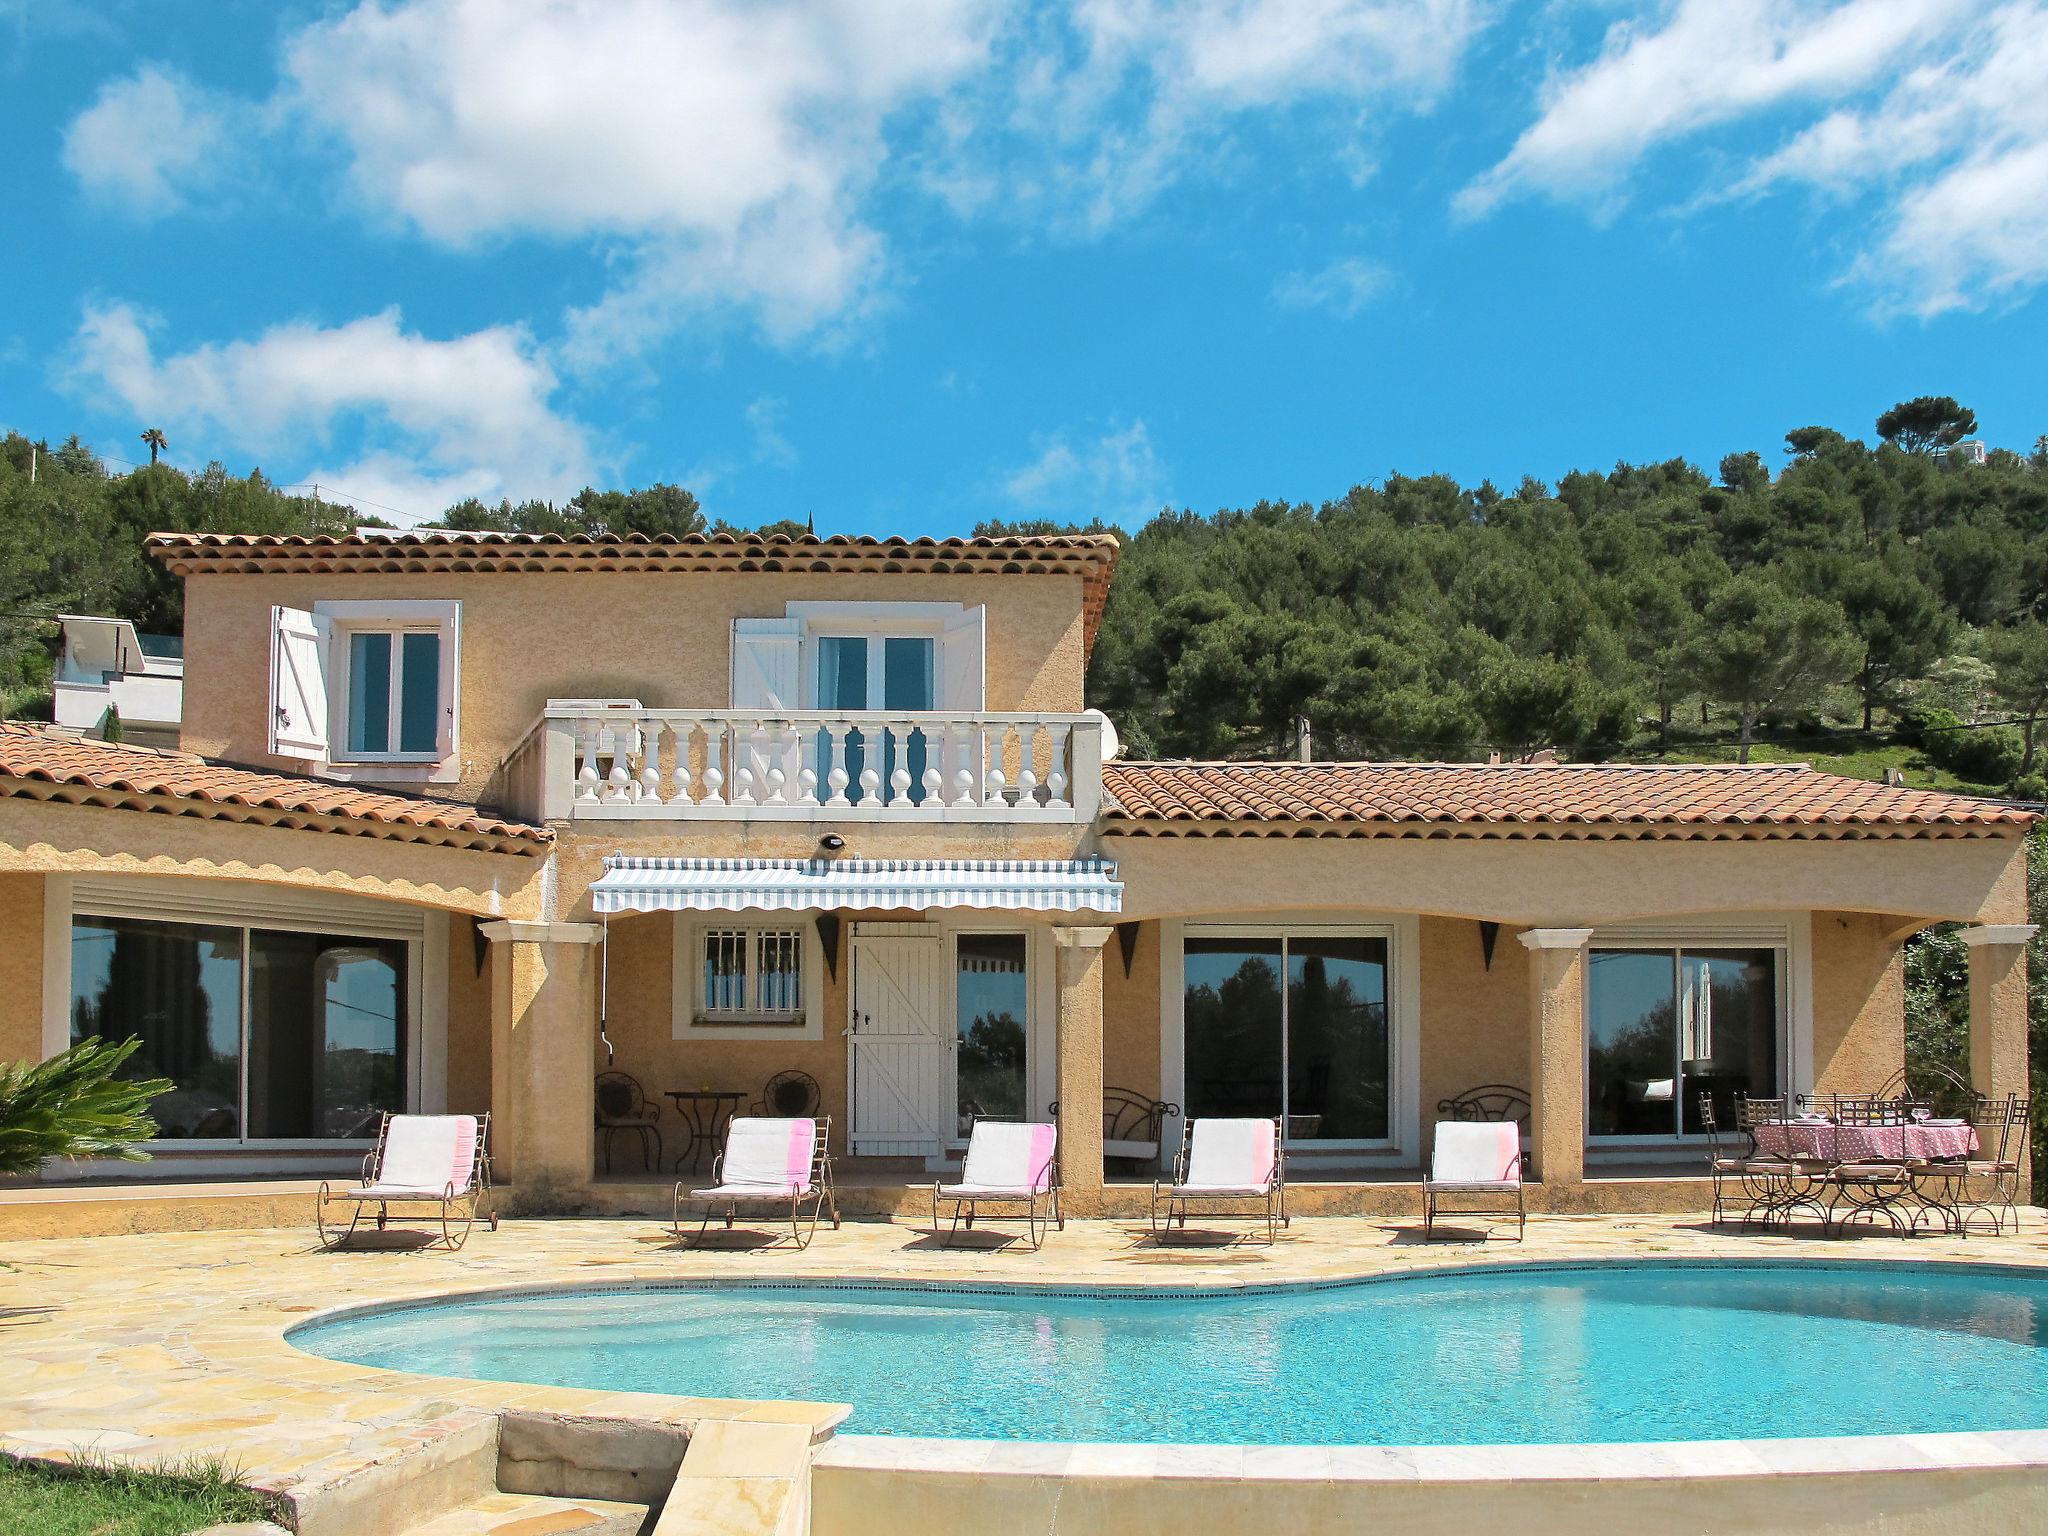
(637, 884)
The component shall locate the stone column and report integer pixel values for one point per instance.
(1557, 1058)
(543, 1029)
(1080, 1067)
(1998, 1008)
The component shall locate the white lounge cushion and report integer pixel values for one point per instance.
(392, 1192)
(731, 1191)
(427, 1153)
(1009, 1155)
(768, 1156)
(1142, 1151)
(1231, 1155)
(1484, 1152)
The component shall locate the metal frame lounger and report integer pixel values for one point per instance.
(1008, 1162)
(769, 1162)
(1227, 1162)
(1483, 1159)
(438, 1160)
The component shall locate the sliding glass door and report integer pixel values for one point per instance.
(1664, 1026)
(1290, 1025)
(887, 672)
(264, 1034)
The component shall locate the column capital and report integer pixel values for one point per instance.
(1081, 938)
(1999, 933)
(508, 931)
(1555, 938)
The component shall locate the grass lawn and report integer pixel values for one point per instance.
(116, 1501)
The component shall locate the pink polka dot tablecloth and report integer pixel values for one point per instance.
(1865, 1143)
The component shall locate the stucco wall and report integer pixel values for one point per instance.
(1130, 1015)
(469, 1020)
(21, 968)
(1475, 1020)
(664, 639)
(1859, 1003)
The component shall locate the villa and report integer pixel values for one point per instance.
(460, 822)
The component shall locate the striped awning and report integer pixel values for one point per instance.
(631, 884)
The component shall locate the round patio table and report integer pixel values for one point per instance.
(704, 1113)
(1865, 1143)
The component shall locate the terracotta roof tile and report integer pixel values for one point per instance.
(1090, 556)
(40, 754)
(1455, 794)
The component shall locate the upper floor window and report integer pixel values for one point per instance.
(370, 688)
(863, 656)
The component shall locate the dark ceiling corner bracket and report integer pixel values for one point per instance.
(483, 944)
(1127, 941)
(828, 935)
(1488, 932)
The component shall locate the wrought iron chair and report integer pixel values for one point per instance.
(778, 1162)
(623, 1105)
(1986, 1186)
(443, 1161)
(1869, 1188)
(1757, 1179)
(789, 1095)
(1489, 1101)
(1132, 1125)
(1785, 1184)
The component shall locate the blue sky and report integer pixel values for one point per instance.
(905, 264)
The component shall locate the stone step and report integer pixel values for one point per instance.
(526, 1514)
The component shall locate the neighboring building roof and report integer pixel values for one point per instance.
(1090, 556)
(43, 763)
(1533, 800)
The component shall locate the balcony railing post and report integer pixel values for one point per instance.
(1084, 792)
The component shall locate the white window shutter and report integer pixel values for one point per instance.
(765, 675)
(963, 662)
(449, 740)
(298, 684)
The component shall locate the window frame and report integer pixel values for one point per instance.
(1792, 985)
(1403, 1019)
(348, 619)
(689, 1020)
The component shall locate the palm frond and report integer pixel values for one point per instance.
(73, 1106)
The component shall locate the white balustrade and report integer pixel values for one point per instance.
(862, 765)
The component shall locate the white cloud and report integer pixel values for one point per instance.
(1343, 288)
(1927, 117)
(150, 140)
(432, 420)
(1116, 475)
(1109, 102)
(764, 420)
(1711, 62)
(727, 143)
(1959, 148)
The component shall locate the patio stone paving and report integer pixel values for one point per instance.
(168, 1346)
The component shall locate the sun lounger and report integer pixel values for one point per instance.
(420, 1160)
(1008, 1163)
(1483, 1161)
(1223, 1166)
(773, 1163)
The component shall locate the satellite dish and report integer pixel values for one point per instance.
(1112, 744)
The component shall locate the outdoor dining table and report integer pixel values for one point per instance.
(1824, 1141)
(704, 1112)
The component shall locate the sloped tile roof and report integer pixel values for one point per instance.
(34, 754)
(1478, 796)
(1090, 556)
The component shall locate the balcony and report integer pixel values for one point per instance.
(614, 760)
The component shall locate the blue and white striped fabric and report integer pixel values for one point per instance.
(633, 884)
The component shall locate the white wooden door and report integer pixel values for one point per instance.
(900, 1041)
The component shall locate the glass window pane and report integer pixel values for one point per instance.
(842, 684)
(992, 1000)
(781, 981)
(369, 691)
(326, 1034)
(907, 672)
(419, 692)
(1728, 1029)
(1631, 1043)
(1337, 1039)
(725, 972)
(176, 987)
(1233, 1027)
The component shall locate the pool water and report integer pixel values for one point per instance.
(1622, 1352)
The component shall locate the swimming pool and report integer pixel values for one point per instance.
(1642, 1350)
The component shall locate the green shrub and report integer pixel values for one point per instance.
(1929, 727)
(1990, 755)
